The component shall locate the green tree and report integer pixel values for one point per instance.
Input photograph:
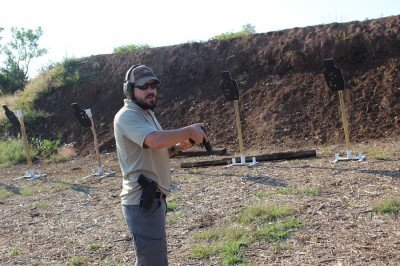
(19, 52)
(249, 29)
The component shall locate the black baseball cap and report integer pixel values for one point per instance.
(142, 74)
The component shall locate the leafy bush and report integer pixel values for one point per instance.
(246, 30)
(130, 48)
(12, 152)
(46, 147)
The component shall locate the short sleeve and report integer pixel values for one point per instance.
(134, 126)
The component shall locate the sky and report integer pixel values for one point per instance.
(80, 28)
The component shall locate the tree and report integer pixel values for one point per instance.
(19, 52)
(248, 28)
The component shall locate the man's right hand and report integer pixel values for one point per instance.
(198, 134)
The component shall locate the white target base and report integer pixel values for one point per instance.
(100, 173)
(242, 162)
(349, 157)
(31, 175)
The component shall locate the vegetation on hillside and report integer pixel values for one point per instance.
(19, 52)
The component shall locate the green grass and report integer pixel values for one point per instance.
(175, 216)
(304, 192)
(28, 191)
(14, 251)
(5, 193)
(246, 30)
(285, 191)
(262, 194)
(256, 223)
(211, 234)
(378, 154)
(12, 151)
(279, 246)
(43, 204)
(263, 213)
(203, 251)
(310, 192)
(96, 246)
(277, 231)
(172, 205)
(130, 48)
(79, 260)
(63, 185)
(388, 206)
(45, 147)
(227, 243)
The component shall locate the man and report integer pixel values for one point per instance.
(143, 150)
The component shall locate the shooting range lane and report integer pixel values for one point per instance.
(335, 81)
(85, 118)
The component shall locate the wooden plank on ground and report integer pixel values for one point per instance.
(259, 158)
(200, 153)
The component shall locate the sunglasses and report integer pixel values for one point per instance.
(153, 85)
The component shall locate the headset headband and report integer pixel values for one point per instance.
(129, 72)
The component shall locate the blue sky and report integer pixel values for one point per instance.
(73, 28)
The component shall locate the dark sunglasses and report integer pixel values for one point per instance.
(153, 85)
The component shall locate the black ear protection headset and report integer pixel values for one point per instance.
(128, 86)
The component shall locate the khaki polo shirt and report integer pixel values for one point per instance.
(132, 124)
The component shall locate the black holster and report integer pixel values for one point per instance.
(149, 189)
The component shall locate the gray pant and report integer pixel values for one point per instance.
(148, 233)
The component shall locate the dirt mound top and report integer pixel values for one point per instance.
(283, 97)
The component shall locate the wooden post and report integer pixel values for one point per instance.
(96, 144)
(24, 138)
(344, 119)
(238, 126)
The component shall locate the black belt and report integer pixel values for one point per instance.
(159, 195)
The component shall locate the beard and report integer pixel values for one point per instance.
(144, 105)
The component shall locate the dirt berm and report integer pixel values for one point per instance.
(284, 100)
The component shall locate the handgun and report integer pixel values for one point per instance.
(205, 143)
(149, 189)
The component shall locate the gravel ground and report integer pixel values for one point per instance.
(65, 219)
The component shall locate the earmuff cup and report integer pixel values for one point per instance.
(128, 86)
